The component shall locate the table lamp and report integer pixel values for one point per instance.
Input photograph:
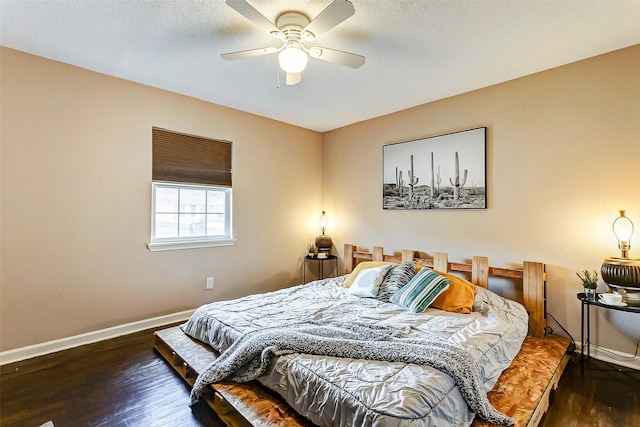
(323, 241)
(622, 273)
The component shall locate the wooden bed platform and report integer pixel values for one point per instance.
(522, 391)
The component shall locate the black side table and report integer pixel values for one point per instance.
(320, 262)
(586, 304)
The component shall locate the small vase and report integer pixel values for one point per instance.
(590, 294)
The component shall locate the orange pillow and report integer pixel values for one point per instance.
(458, 298)
(361, 266)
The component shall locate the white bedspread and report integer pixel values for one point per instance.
(337, 392)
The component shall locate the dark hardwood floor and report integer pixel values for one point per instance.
(595, 393)
(122, 382)
(119, 382)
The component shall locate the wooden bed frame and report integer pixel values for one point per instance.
(522, 391)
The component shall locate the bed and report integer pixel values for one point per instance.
(358, 384)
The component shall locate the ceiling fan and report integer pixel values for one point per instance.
(295, 30)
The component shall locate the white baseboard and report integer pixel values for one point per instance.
(35, 350)
(613, 356)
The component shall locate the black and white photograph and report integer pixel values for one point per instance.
(439, 172)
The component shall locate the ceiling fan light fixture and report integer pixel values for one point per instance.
(292, 59)
(294, 29)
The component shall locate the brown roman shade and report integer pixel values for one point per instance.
(178, 157)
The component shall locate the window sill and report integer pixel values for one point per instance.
(189, 244)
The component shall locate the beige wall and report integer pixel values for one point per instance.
(563, 156)
(76, 196)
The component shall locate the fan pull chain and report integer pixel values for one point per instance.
(278, 73)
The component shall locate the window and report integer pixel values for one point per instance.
(191, 192)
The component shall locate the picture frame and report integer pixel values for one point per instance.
(446, 171)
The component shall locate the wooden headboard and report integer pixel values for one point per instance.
(532, 274)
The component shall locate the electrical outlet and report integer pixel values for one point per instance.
(209, 283)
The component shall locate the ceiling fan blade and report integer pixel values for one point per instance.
(232, 56)
(293, 78)
(331, 16)
(249, 12)
(337, 56)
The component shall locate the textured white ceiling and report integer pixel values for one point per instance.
(416, 51)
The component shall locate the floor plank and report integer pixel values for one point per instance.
(122, 382)
(595, 393)
(119, 382)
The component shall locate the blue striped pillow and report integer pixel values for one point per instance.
(421, 290)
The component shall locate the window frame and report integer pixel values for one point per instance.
(191, 242)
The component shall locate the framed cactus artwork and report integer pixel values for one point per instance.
(438, 172)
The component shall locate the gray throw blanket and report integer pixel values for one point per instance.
(250, 356)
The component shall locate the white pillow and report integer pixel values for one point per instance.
(367, 283)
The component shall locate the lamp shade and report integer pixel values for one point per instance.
(323, 222)
(292, 59)
(623, 230)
